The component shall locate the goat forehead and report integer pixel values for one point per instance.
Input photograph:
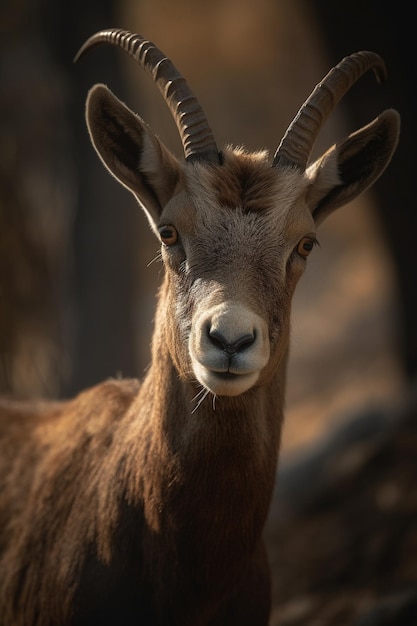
(246, 181)
(235, 229)
(243, 199)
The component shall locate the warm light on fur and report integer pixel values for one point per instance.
(145, 503)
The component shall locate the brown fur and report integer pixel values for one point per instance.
(140, 504)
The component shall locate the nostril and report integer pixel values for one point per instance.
(217, 338)
(231, 347)
(243, 342)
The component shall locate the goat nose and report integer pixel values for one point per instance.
(231, 347)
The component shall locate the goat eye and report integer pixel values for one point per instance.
(305, 246)
(168, 234)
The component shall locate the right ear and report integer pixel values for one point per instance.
(131, 152)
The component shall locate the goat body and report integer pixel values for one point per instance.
(145, 504)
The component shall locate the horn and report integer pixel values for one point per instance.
(196, 136)
(296, 145)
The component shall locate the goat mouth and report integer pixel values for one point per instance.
(227, 375)
(226, 383)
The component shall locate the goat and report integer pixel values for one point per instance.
(145, 503)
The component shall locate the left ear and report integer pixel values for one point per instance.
(131, 152)
(351, 166)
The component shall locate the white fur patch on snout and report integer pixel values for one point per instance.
(229, 347)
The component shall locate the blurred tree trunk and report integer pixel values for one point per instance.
(37, 183)
(383, 27)
(104, 227)
(66, 237)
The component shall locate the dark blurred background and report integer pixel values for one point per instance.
(77, 286)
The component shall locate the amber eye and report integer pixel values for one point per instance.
(306, 245)
(168, 234)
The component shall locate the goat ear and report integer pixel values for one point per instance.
(131, 151)
(351, 166)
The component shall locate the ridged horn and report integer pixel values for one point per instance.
(296, 145)
(196, 136)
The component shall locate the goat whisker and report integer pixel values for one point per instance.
(203, 393)
(201, 396)
(157, 258)
(215, 397)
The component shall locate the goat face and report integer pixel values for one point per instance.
(233, 253)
